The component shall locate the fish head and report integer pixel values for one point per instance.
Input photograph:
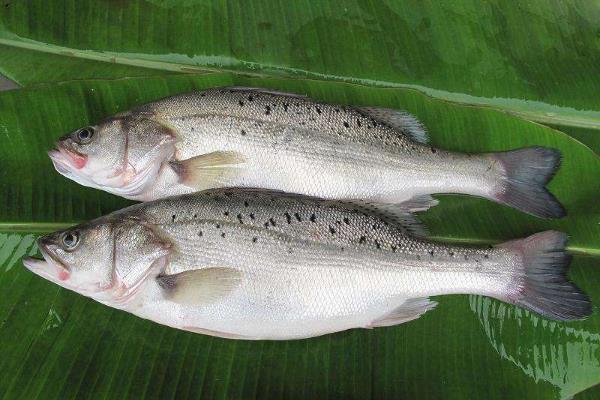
(78, 258)
(121, 155)
(106, 259)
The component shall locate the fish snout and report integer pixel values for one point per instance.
(65, 156)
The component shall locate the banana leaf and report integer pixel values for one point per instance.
(539, 59)
(55, 344)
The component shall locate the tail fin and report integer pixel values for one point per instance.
(544, 286)
(526, 172)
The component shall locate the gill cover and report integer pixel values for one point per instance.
(123, 154)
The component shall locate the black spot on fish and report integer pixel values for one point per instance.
(431, 253)
(272, 221)
(358, 122)
(486, 256)
(223, 234)
(377, 244)
(362, 239)
(285, 106)
(226, 213)
(313, 218)
(243, 132)
(200, 234)
(267, 110)
(466, 257)
(202, 94)
(342, 249)
(288, 218)
(374, 226)
(173, 218)
(246, 204)
(394, 248)
(239, 217)
(195, 215)
(241, 103)
(451, 253)
(267, 224)
(318, 110)
(332, 230)
(255, 239)
(218, 226)
(433, 150)
(337, 110)
(250, 98)
(346, 124)
(346, 221)
(298, 217)
(252, 216)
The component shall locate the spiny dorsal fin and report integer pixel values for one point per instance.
(208, 170)
(403, 121)
(409, 310)
(200, 286)
(266, 91)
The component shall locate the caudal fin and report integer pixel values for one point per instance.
(526, 172)
(543, 286)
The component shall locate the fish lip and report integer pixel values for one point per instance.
(64, 156)
(51, 257)
(60, 163)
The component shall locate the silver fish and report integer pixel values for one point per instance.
(244, 137)
(253, 264)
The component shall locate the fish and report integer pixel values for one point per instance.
(254, 264)
(258, 138)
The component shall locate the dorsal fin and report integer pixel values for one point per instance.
(403, 121)
(266, 91)
(402, 214)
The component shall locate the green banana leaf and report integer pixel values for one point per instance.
(55, 344)
(29, 67)
(539, 59)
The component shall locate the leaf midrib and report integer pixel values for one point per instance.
(527, 109)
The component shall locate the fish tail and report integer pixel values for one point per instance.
(542, 285)
(526, 173)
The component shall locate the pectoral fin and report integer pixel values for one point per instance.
(208, 170)
(200, 286)
(409, 310)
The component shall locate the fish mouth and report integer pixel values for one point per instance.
(65, 159)
(50, 267)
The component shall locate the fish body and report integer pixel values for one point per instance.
(245, 137)
(255, 264)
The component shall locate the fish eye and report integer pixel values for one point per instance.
(84, 135)
(70, 240)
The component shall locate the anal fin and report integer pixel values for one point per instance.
(418, 203)
(208, 170)
(409, 310)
